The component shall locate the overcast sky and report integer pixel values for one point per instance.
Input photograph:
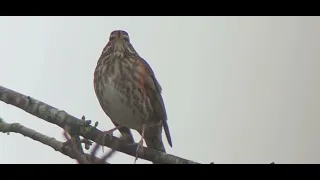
(236, 89)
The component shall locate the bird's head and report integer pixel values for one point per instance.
(119, 42)
(119, 36)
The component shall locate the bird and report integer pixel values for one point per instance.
(130, 94)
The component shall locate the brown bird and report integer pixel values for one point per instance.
(129, 92)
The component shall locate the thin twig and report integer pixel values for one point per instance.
(79, 156)
(46, 140)
(109, 154)
(94, 151)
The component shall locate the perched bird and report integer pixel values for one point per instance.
(129, 92)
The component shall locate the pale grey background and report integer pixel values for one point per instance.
(237, 89)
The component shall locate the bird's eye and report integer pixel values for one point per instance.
(111, 38)
(126, 38)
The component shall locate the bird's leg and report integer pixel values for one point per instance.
(110, 133)
(140, 144)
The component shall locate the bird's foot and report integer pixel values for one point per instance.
(139, 148)
(110, 134)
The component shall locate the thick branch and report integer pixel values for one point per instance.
(61, 118)
(49, 141)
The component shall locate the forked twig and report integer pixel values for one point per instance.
(79, 156)
(83, 159)
(59, 146)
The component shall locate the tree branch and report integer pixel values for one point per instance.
(49, 141)
(62, 118)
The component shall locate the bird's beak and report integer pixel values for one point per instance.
(118, 34)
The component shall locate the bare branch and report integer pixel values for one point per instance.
(49, 141)
(78, 154)
(81, 156)
(62, 118)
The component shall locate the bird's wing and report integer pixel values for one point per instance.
(154, 90)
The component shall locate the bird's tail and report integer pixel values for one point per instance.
(167, 132)
(153, 138)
